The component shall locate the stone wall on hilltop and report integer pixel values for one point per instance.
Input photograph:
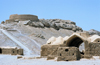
(17, 17)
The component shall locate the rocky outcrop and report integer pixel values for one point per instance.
(56, 24)
(92, 32)
(32, 20)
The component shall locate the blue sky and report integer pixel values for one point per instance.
(86, 13)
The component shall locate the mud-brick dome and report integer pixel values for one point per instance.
(23, 17)
(94, 39)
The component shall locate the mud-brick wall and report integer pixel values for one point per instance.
(50, 49)
(20, 51)
(68, 54)
(24, 17)
(92, 49)
(16, 17)
(6, 51)
(11, 51)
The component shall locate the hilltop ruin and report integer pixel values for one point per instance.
(16, 18)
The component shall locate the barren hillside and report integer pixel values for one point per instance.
(32, 34)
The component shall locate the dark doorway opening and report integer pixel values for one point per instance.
(76, 42)
(0, 50)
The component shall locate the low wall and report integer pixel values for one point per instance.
(92, 49)
(24, 17)
(15, 17)
(11, 51)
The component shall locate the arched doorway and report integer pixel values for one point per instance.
(76, 41)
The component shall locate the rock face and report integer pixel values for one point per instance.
(56, 24)
(17, 17)
(92, 32)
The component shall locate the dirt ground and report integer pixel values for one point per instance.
(12, 60)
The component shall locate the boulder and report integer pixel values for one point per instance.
(92, 32)
(45, 23)
(40, 24)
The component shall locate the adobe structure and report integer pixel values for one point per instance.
(16, 17)
(67, 49)
(11, 50)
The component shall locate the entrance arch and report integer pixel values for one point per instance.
(75, 40)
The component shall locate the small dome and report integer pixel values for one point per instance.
(94, 38)
(65, 38)
(58, 41)
(51, 40)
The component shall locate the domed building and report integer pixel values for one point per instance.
(69, 49)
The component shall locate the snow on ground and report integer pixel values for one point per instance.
(12, 60)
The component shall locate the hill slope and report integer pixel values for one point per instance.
(33, 34)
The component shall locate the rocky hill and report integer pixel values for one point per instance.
(33, 32)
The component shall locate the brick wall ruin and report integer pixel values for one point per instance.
(11, 51)
(47, 50)
(68, 54)
(69, 49)
(92, 49)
